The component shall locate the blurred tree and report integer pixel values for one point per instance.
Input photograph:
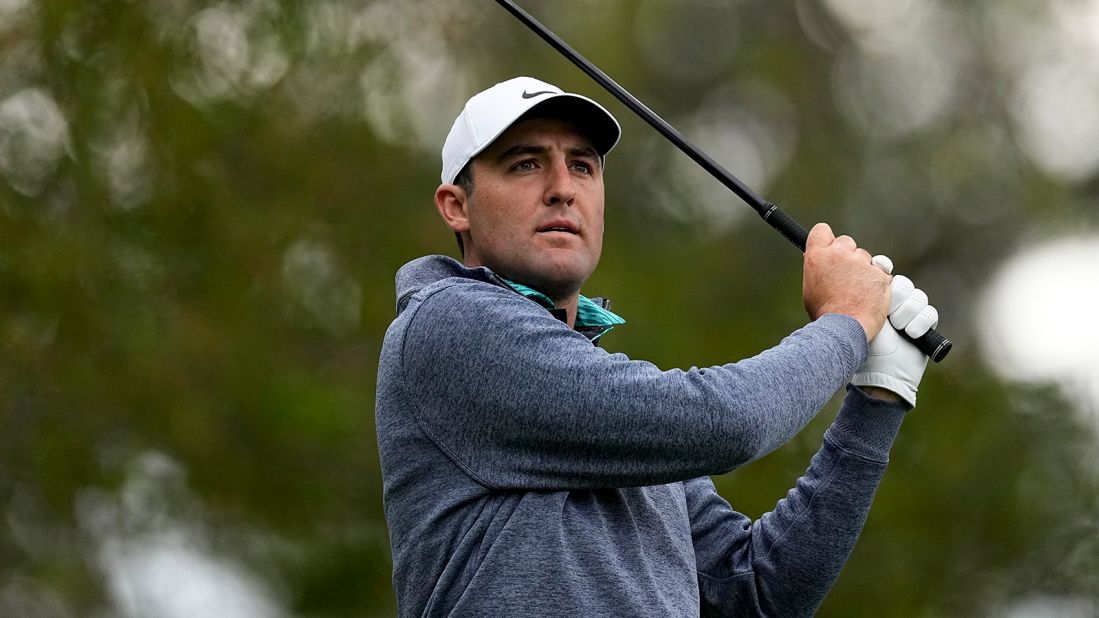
(202, 206)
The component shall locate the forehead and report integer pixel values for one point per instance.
(541, 132)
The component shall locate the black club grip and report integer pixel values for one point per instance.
(933, 344)
(786, 226)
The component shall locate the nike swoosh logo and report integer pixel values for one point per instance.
(531, 95)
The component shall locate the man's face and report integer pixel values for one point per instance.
(536, 213)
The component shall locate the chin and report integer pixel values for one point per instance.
(560, 282)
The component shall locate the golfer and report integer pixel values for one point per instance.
(529, 472)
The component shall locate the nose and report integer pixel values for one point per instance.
(560, 188)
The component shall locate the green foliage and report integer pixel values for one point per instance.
(198, 249)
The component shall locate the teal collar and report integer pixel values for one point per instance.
(589, 314)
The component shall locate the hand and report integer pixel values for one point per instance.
(838, 277)
(894, 364)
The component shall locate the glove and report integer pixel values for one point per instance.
(893, 363)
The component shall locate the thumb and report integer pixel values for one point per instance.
(820, 236)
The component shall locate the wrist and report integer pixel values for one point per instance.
(869, 325)
(880, 393)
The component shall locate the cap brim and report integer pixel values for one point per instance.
(592, 119)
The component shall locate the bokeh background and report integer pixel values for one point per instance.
(203, 204)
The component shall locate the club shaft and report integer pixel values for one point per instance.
(933, 344)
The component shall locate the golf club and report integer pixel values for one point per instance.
(933, 344)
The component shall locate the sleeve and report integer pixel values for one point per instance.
(520, 401)
(784, 563)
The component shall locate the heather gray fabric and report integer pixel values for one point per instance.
(528, 472)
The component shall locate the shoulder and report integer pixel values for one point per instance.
(459, 316)
(455, 298)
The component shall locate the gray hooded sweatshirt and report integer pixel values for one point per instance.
(528, 472)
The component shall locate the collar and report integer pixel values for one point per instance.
(593, 316)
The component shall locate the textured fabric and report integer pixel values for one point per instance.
(527, 472)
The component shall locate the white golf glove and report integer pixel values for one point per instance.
(893, 363)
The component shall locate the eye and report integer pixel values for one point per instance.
(524, 165)
(583, 167)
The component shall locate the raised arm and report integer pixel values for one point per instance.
(518, 400)
(784, 563)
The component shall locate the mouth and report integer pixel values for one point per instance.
(559, 226)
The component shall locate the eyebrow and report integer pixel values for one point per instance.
(525, 149)
(521, 149)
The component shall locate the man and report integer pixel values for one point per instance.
(528, 472)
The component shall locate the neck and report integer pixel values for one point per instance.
(569, 305)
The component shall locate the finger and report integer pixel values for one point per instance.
(845, 241)
(864, 254)
(899, 290)
(909, 309)
(883, 262)
(820, 236)
(923, 322)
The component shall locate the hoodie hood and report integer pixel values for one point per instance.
(422, 272)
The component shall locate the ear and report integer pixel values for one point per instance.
(453, 204)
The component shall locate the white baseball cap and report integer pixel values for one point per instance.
(490, 112)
